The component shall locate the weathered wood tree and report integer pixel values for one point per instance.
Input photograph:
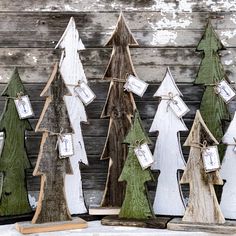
(168, 157)
(136, 204)
(228, 197)
(203, 206)
(13, 160)
(211, 71)
(119, 107)
(53, 122)
(72, 72)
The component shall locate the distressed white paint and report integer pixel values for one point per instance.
(72, 72)
(162, 37)
(228, 199)
(222, 5)
(226, 35)
(32, 201)
(168, 157)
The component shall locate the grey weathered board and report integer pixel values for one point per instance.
(30, 30)
(229, 227)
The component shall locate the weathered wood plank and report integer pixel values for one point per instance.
(154, 38)
(97, 21)
(105, 5)
(182, 73)
(44, 57)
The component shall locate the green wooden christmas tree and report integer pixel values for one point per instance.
(13, 160)
(211, 71)
(136, 204)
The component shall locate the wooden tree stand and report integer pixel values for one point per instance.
(158, 222)
(229, 227)
(29, 228)
(102, 211)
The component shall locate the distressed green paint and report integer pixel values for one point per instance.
(136, 204)
(211, 71)
(14, 160)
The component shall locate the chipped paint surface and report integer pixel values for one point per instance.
(32, 201)
(225, 5)
(163, 37)
(226, 35)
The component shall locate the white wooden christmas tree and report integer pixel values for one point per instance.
(228, 198)
(72, 72)
(168, 157)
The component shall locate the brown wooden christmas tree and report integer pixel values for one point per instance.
(51, 166)
(119, 107)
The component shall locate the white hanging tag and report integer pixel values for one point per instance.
(135, 85)
(24, 107)
(84, 93)
(2, 137)
(211, 159)
(66, 147)
(178, 106)
(144, 155)
(225, 91)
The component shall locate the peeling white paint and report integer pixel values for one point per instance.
(1, 78)
(228, 62)
(233, 18)
(10, 54)
(32, 201)
(222, 5)
(163, 37)
(35, 59)
(226, 35)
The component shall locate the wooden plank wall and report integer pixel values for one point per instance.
(167, 32)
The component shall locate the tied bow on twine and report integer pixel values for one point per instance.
(140, 152)
(202, 146)
(80, 88)
(59, 135)
(171, 99)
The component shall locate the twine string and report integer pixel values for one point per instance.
(59, 135)
(172, 100)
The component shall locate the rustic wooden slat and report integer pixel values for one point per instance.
(44, 57)
(97, 21)
(182, 74)
(154, 38)
(105, 5)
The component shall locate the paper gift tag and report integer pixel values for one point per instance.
(66, 148)
(84, 93)
(225, 91)
(2, 137)
(136, 85)
(178, 106)
(24, 107)
(211, 158)
(144, 155)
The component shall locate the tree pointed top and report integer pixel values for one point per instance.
(137, 134)
(230, 135)
(210, 40)
(167, 86)
(72, 34)
(121, 34)
(54, 76)
(14, 86)
(208, 136)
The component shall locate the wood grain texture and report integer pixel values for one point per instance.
(136, 203)
(72, 73)
(203, 206)
(119, 107)
(227, 203)
(52, 205)
(168, 157)
(14, 160)
(29, 228)
(229, 227)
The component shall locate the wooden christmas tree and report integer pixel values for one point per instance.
(119, 107)
(72, 72)
(53, 122)
(136, 204)
(168, 157)
(211, 71)
(203, 206)
(228, 204)
(13, 160)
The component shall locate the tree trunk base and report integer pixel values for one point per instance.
(29, 228)
(158, 222)
(229, 227)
